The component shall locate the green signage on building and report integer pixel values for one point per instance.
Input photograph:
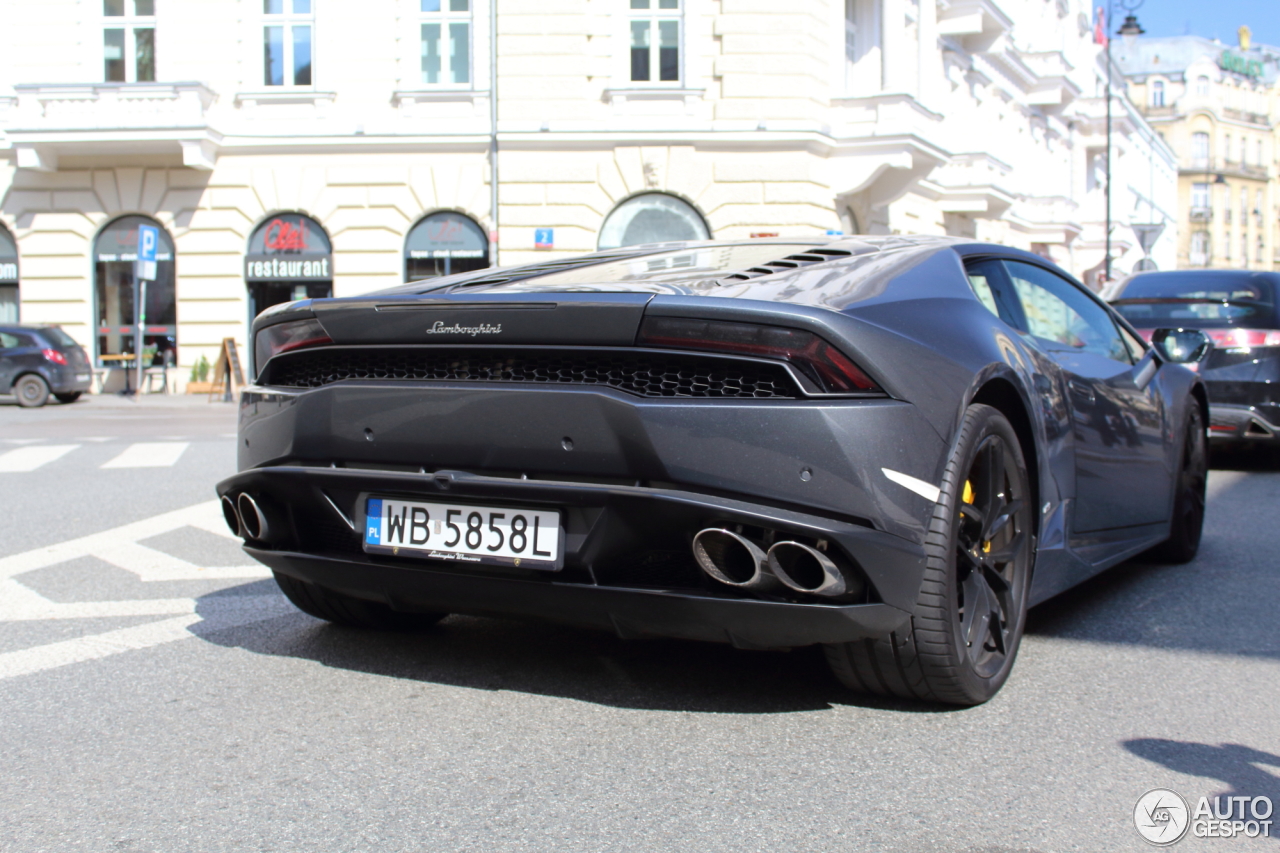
(1235, 62)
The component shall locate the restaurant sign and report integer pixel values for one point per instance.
(289, 247)
(1238, 64)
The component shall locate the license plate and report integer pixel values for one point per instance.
(82, 377)
(463, 533)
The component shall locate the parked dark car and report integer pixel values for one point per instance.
(890, 447)
(1237, 309)
(36, 361)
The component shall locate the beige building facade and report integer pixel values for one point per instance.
(1218, 107)
(293, 148)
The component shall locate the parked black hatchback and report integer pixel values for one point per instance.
(36, 361)
(1237, 310)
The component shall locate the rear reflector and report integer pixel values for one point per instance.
(820, 361)
(284, 337)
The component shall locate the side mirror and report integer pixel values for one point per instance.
(1181, 346)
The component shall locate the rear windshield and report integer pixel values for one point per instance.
(57, 337)
(1197, 298)
(1216, 287)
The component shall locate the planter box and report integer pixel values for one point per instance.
(199, 387)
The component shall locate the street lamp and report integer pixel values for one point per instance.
(1129, 31)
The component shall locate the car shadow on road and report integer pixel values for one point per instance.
(1222, 602)
(554, 660)
(1240, 767)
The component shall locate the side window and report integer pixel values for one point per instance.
(989, 284)
(7, 341)
(1057, 312)
(1137, 349)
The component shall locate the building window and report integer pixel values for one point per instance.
(1200, 149)
(1244, 205)
(446, 42)
(1199, 196)
(1226, 248)
(655, 41)
(1244, 151)
(862, 46)
(1257, 255)
(1199, 249)
(129, 41)
(1244, 250)
(652, 218)
(8, 277)
(1157, 93)
(1257, 207)
(1226, 148)
(1262, 162)
(1202, 85)
(116, 289)
(287, 44)
(442, 244)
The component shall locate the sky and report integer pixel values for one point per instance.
(1220, 18)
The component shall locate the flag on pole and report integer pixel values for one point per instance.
(1100, 26)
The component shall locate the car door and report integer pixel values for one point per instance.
(8, 366)
(1118, 417)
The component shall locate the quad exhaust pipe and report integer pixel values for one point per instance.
(738, 562)
(245, 517)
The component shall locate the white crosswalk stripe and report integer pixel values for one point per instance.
(149, 454)
(32, 457)
(121, 546)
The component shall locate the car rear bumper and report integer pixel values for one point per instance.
(1242, 423)
(631, 613)
(627, 562)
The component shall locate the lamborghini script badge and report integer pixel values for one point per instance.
(483, 329)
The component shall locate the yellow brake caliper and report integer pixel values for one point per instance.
(968, 498)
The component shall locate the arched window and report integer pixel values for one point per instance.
(289, 258)
(115, 286)
(1202, 85)
(442, 244)
(1157, 93)
(8, 277)
(652, 218)
(1199, 249)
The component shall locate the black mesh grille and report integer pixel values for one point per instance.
(643, 373)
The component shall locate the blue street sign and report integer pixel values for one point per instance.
(544, 238)
(148, 241)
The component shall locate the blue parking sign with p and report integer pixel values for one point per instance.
(148, 243)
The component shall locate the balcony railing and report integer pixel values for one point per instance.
(1201, 214)
(81, 118)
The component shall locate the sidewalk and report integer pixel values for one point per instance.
(111, 415)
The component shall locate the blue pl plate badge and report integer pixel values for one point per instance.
(373, 522)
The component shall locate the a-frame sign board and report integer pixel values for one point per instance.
(228, 375)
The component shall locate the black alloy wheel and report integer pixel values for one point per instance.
(1188, 503)
(972, 607)
(32, 391)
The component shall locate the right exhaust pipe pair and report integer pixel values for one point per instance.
(736, 561)
(245, 517)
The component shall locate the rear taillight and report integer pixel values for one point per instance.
(284, 337)
(820, 361)
(54, 356)
(1232, 338)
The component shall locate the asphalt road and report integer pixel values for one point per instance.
(158, 694)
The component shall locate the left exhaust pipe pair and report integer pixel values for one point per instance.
(738, 562)
(245, 517)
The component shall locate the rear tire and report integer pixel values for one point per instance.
(331, 606)
(971, 610)
(69, 397)
(32, 391)
(1188, 504)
